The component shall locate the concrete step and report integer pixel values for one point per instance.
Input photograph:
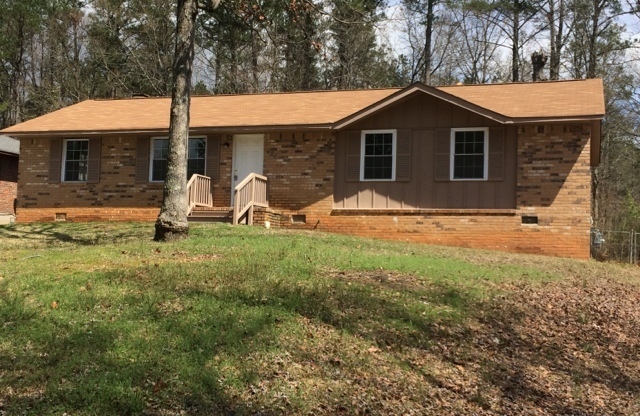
(211, 216)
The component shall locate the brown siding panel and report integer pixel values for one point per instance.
(213, 158)
(353, 156)
(403, 156)
(55, 160)
(95, 150)
(428, 184)
(443, 154)
(496, 153)
(142, 160)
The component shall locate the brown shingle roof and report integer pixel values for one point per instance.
(550, 99)
(320, 109)
(151, 114)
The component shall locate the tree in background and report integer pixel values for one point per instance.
(356, 61)
(20, 21)
(478, 58)
(425, 10)
(129, 49)
(54, 71)
(296, 46)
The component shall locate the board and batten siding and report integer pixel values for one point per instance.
(428, 123)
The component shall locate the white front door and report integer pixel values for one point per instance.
(248, 157)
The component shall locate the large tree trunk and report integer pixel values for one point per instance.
(172, 222)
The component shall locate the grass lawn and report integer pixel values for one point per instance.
(98, 319)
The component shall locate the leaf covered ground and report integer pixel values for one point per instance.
(98, 319)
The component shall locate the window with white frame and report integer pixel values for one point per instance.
(159, 157)
(378, 155)
(75, 163)
(469, 153)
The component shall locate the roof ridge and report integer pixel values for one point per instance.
(548, 81)
(251, 94)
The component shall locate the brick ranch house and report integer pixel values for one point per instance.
(9, 151)
(501, 166)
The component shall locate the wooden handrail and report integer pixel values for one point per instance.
(250, 193)
(199, 192)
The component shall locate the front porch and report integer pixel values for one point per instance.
(249, 194)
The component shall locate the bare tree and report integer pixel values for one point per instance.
(477, 48)
(172, 222)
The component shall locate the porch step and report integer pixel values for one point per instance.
(211, 216)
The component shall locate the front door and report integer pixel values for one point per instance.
(248, 157)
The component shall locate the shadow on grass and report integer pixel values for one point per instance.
(85, 234)
(178, 344)
(104, 369)
(180, 341)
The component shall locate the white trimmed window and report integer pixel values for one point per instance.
(75, 160)
(196, 157)
(469, 154)
(378, 155)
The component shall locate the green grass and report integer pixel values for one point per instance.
(99, 319)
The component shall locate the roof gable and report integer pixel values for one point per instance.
(508, 103)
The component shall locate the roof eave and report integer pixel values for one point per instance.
(559, 119)
(199, 129)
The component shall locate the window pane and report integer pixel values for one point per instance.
(195, 166)
(196, 157)
(160, 148)
(159, 163)
(197, 148)
(76, 155)
(468, 159)
(159, 170)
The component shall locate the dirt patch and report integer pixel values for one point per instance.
(387, 278)
(568, 347)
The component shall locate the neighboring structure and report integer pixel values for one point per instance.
(503, 166)
(9, 153)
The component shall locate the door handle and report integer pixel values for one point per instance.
(235, 177)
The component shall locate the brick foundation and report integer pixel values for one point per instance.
(492, 232)
(26, 215)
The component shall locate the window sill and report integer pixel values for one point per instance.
(426, 211)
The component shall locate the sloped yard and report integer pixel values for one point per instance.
(98, 319)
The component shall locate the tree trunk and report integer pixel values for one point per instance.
(556, 36)
(515, 47)
(172, 222)
(593, 39)
(427, 42)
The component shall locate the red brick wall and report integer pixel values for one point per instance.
(300, 168)
(115, 197)
(8, 183)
